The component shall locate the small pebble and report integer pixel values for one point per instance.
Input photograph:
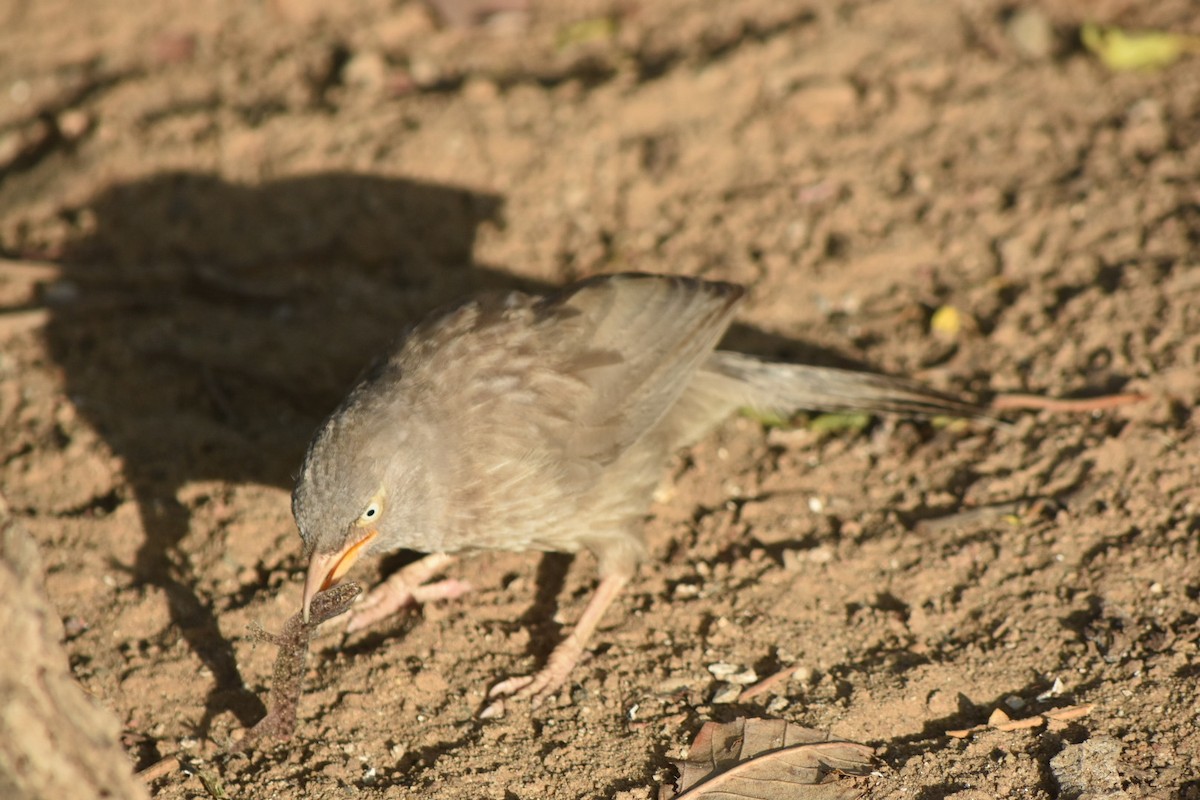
(726, 693)
(1054, 691)
(1031, 33)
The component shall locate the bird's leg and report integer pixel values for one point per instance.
(564, 657)
(406, 586)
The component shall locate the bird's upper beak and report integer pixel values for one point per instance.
(326, 569)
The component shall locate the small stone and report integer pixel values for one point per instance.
(726, 693)
(73, 124)
(820, 555)
(366, 70)
(731, 673)
(1054, 691)
(73, 626)
(1031, 33)
(825, 104)
(424, 72)
(1089, 769)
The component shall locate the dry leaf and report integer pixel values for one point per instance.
(765, 758)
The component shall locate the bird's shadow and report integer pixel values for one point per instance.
(205, 327)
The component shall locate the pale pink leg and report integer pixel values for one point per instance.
(406, 587)
(564, 658)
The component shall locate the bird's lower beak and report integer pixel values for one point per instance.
(326, 569)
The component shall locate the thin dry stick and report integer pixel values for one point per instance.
(164, 766)
(770, 682)
(1085, 405)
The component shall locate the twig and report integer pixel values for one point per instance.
(770, 682)
(1084, 405)
(159, 769)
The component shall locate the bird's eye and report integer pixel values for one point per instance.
(371, 513)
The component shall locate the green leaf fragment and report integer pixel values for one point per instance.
(768, 419)
(841, 422)
(597, 29)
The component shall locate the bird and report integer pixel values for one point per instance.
(543, 422)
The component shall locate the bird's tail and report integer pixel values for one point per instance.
(787, 388)
(729, 381)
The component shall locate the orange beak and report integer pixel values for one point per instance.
(326, 569)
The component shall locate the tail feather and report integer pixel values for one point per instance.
(785, 388)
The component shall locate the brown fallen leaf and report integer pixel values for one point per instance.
(769, 758)
(288, 680)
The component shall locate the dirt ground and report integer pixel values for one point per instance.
(247, 201)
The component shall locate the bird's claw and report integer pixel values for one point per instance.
(539, 686)
(535, 687)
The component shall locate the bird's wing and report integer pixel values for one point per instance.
(631, 343)
(533, 396)
(585, 372)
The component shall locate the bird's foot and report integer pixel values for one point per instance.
(406, 587)
(539, 686)
(564, 658)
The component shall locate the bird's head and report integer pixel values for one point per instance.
(341, 500)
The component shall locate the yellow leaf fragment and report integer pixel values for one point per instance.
(1122, 50)
(946, 322)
